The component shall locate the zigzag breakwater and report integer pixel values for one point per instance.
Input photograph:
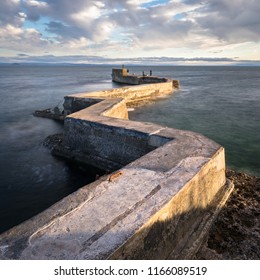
(163, 189)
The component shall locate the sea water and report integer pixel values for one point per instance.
(222, 103)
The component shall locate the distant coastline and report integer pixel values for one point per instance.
(57, 63)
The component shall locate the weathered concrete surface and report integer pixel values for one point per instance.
(159, 204)
(132, 96)
(89, 132)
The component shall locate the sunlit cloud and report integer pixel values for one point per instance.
(130, 28)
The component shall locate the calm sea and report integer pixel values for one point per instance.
(222, 103)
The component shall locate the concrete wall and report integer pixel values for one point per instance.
(116, 141)
(121, 76)
(86, 136)
(133, 96)
(119, 72)
(168, 187)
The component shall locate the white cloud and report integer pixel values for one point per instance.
(82, 42)
(16, 38)
(36, 4)
(137, 2)
(10, 31)
(230, 21)
(10, 13)
(86, 16)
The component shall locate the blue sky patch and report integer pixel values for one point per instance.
(154, 3)
(39, 25)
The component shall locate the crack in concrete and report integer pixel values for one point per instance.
(42, 230)
(120, 217)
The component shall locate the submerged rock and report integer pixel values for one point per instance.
(53, 140)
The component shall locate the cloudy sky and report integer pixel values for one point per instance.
(132, 31)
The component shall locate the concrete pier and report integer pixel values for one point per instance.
(122, 76)
(165, 188)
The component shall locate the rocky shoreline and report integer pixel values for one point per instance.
(235, 235)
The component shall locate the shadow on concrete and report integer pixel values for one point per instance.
(168, 234)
